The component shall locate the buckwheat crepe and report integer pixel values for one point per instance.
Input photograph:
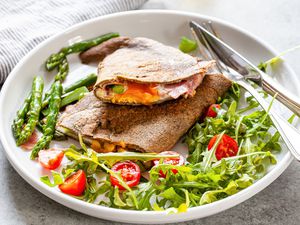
(144, 71)
(140, 128)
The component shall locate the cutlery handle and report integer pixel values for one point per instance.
(292, 140)
(289, 134)
(283, 95)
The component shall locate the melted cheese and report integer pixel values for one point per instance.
(104, 147)
(137, 93)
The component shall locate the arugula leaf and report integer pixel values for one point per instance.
(171, 195)
(117, 200)
(114, 157)
(273, 143)
(156, 207)
(67, 171)
(233, 187)
(264, 65)
(57, 179)
(209, 155)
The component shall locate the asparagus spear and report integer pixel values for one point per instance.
(86, 81)
(69, 98)
(73, 96)
(49, 127)
(46, 100)
(58, 136)
(63, 70)
(34, 110)
(20, 118)
(55, 59)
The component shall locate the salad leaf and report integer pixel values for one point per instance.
(57, 179)
(264, 65)
(233, 187)
(67, 172)
(273, 143)
(209, 155)
(117, 200)
(171, 194)
(113, 157)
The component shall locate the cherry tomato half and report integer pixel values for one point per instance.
(74, 184)
(212, 110)
(130, 173)
(227, 146)
(170, 161)
(51, 158)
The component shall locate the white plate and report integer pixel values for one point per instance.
(164, 26)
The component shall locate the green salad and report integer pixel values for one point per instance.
(241, 153)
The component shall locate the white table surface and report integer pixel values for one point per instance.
(276, 22)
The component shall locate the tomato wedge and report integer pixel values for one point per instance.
(170, 161)
(212, 110)
(74, 184)
(227, 146)
(130, 173)
(51, 158)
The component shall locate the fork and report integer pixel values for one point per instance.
(289, 134)
(233, 59)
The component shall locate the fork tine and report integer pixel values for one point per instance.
(203, 46)
(203, 51)
(211, 29)
(221, 52)
(221, 66)
(213, 56)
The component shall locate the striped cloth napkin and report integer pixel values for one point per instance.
(25, 23)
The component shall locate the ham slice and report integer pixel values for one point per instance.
(185, 88)
(28, 145)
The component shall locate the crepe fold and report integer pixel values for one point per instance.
(140, 128)
(147, 72)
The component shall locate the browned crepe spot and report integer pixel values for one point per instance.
(99, 52)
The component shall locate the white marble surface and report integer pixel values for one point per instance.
(276, 22)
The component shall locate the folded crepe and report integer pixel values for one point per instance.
(144, 71)
(108, 127)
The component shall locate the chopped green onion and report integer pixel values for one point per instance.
(186, 45)
(118, 89)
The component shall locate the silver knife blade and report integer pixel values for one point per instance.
(232, 58)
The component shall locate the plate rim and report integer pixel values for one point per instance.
(78, 205)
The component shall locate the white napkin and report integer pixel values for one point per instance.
(25, 23)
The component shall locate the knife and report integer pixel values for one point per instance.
(243, 66)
